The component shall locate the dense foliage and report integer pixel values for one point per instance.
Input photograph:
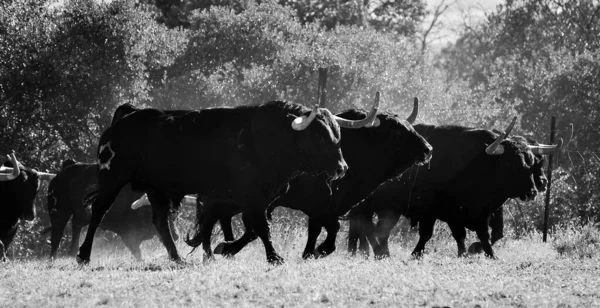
(65, 67)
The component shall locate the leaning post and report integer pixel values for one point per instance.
(547, 209)
(322, 89)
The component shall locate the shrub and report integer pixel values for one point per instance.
(577, 240)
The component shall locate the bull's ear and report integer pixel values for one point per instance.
(498, 150)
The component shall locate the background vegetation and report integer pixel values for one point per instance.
(66, 66)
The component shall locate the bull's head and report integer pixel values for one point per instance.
(394, 141)
(320, 136)
(405, 141)
(520, 164)
(496, 147)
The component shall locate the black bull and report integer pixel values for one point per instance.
(248, 154)
(66, 193)
(463, 185)
(374, 154)
(18, 189)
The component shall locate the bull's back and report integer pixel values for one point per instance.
(172, 148)
(454, 149)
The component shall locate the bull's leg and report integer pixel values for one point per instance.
(231, 248)
(260, 226)
(172, 228)
(77, 223)
(5, 241)
(459, 233)
(484, 238)
(497, 225)
(103, 202)
(384, 227)
(207, 225)
(225, 221)
(314, 229)
(160, 219)
(425, 232)
(58, 221)
(332, 226)
(355, 232)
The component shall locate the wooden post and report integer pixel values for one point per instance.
(322, 89)
(547, 209)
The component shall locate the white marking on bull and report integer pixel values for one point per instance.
(106, 165)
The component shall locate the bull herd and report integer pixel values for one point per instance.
(251, 159)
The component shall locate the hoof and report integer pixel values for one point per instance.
(417, 255)
(220, 248)
(275, 260)
(475, 248)
(381, 256)
(207, 258)
(82, 261)
(323, 251)
(381, 253)
(309, 255)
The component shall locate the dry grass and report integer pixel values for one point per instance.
(528, 273)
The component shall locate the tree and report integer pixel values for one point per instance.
(64, 70)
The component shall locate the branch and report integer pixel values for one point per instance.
(438, 12)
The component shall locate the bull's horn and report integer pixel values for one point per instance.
(14, 173)
(300, 123)
(413, 116)
(142, 201)
(11, 174)
(495, 148)
(46, 176)
(370, 121)
(544, 149)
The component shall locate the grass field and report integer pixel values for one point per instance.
(527, 273)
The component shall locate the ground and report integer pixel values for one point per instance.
(527, 273)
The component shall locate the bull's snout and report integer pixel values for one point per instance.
(427, 151)
(341, 170)
(425, 154)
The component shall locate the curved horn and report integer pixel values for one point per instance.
(46, 176)
(495, 148)
(370, 121)
(413, 116)
(544, 149)
(14, 172)
(300, 123)
(143, 200)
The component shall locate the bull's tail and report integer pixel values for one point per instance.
(196, 239)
